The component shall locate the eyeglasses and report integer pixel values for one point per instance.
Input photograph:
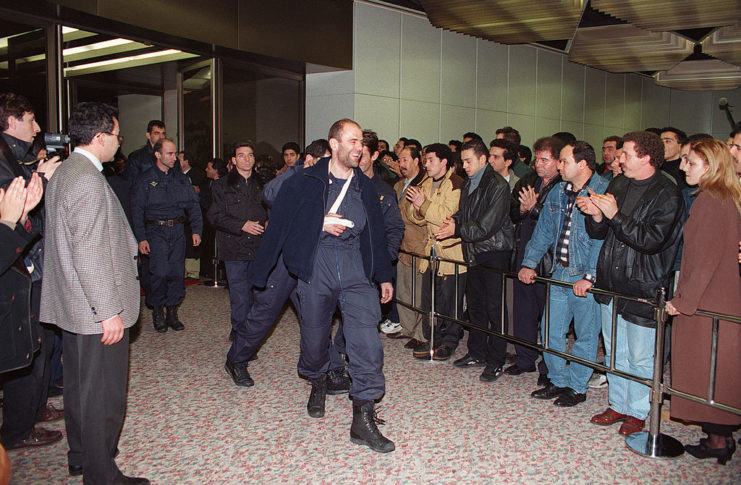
(119, 137)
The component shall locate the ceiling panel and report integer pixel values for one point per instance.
(725, 44)
(507, 21)
(668, 15)
(702, 75)
(625, 48)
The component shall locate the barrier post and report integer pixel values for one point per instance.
(215, 261)
(652, 443)
(414, 281)
(433, 274)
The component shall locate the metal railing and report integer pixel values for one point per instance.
(650, 443)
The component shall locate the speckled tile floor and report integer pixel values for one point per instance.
(188, 424)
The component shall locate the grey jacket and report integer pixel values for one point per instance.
(90, 254)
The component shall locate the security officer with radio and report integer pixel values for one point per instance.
(161, 200)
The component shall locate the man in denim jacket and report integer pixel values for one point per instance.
(561, 227)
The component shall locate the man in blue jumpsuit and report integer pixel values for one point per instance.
(160, 200)
(328, 224)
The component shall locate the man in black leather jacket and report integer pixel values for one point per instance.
(239, 217)
(640, 218)
(483, 224)
(528, 198)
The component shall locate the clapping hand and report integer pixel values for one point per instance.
(13, 200)
(528, 198)
(416, 197)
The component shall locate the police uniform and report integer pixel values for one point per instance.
(159, 204)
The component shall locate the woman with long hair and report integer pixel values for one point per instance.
(709, 280)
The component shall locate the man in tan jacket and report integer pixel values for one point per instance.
(409, 276)
(432, 203)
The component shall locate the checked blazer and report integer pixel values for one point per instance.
(90, 255)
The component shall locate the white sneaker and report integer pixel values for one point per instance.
(598, 381)
(387, 326)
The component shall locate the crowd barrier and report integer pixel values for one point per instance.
(651, 443)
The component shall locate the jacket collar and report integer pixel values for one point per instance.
(234, 178)
(320, 171)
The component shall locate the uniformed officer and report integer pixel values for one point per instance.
(327, 222)
(159, 203)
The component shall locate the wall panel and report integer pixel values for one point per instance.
(376, 58)
(420, 60)
(522, 80)
(549, 85)
(458, 85)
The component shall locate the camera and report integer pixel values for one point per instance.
(57, 144)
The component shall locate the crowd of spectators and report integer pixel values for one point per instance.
(657, 210)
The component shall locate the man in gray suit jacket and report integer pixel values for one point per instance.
(91, 292)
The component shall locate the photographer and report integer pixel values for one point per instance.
(25, 391)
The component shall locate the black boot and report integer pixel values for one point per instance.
(172, 318)
(318, 395)
(158, 319)
(364, 430)
(337, 382)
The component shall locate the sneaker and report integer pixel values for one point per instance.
(387, 326)
(467, 362)
(598, 381)
(442, 353)
(491, 373)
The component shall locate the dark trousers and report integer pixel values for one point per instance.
(25, 391)
(529, 301)
(447, 332)
(265, 306)
(240, 294)
(166, 264)
(389, 310)
(55, 360)
(338, 278)
(95, 377)
(485, 303)
(725, 430)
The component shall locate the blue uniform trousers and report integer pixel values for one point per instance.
(338, 278)
(240, 294)
(266, 304)
(166, 264)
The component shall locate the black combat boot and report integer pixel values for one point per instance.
(158, 319)
(364, 430)
(318, 395)
(172, 318)
(337, 382)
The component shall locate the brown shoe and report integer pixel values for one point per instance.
(609, 417)
(38, 437)
(51, 414)
(413, 343)
(631, 425)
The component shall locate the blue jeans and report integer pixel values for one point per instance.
(565, 305)
(634, 354)
(240, 294)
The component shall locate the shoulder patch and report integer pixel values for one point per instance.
(457, 181)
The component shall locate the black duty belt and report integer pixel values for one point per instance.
(166, 222)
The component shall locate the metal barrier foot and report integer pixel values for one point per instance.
(661, 446)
